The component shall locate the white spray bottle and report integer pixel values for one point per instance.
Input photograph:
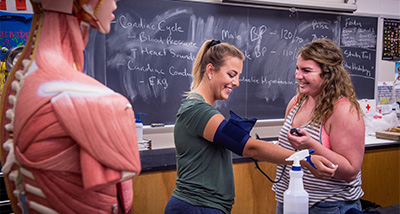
(295, 198)
(139, 126)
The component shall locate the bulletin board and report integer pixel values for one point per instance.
(14, 30)
(391, 39)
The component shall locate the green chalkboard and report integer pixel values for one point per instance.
(148, 54)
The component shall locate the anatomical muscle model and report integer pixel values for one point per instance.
(68, 142)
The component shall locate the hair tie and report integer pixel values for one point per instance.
(213, 43)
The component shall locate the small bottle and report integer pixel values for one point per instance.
(295, 198)
(139, 126)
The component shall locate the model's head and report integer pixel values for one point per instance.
(98, 13)
(212, 56)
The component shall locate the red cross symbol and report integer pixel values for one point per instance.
(368, 107)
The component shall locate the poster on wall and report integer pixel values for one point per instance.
(14, 30)
(391, 39)
(385, 93)
(397, 83)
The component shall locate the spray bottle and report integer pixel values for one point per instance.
(295, 198)
(139, 126)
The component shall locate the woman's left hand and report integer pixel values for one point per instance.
(300, 142)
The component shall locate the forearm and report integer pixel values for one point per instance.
(266, 151)
(346, 170)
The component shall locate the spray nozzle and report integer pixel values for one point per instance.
(301, 155)
(138, 120)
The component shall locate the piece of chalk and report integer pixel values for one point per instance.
(157, 124)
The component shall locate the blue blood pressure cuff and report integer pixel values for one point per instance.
(234, 133)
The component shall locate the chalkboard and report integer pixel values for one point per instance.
(149, 53)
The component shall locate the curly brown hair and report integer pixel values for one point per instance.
(336, 81)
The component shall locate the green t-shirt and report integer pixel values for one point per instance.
(204, 169)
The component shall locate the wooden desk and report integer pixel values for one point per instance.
(380, 177)
(253, 191)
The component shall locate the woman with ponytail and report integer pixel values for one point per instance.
(204, 139)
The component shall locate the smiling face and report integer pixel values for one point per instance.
(308, 74)
(227, 78)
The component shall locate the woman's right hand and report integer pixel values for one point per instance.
(325, 168)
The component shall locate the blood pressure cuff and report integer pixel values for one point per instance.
(234, 133)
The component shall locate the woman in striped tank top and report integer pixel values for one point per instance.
(326, 112)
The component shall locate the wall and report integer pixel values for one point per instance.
(163, 137)
(384, 9)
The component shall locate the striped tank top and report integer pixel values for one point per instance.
(318, 190)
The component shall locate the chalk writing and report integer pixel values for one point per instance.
(270, 82)
(226, 34)
(147, 68)
(358, 55)
(350, 22)
(319, 25)
(290, 53)
(173, 72)
(289, 35)
(358, 68)
(125, 23)
(355, 35)
(153, 80)
(152, 46)
(257, 33)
